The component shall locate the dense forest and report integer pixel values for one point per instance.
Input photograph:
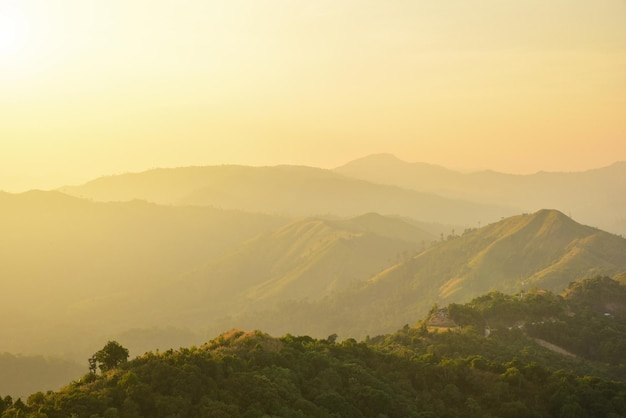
(486, 358)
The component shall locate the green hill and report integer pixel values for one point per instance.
(545, 250)
(413, 372)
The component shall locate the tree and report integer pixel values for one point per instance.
(110, 357)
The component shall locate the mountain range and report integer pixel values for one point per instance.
(172, 257)
(593, 197)
(378, 183)
(284, 190)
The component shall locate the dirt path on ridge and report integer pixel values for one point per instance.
(554, 348)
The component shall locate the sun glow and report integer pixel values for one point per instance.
(13, 33)
(88, 88)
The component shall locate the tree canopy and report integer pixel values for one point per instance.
(417, 371)
(110, 357)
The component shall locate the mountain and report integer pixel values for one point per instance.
(307, 259)
(388, 169)
(87, 269)
(546, 249)
(69, 266)
(162, 276)
(74, 269)
(413, 372)
(288, 190)
(594, 197)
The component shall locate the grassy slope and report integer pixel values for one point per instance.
(546, 249)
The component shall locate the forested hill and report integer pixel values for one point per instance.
(419, 371)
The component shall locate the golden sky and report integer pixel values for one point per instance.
(95, 87)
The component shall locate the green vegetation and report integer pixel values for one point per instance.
(414, 372)
(110, 357)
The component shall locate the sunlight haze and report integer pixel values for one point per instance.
(397, 208)
(91, 88)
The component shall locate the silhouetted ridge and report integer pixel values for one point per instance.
(288, 190)
(594, 197)
(40, 197)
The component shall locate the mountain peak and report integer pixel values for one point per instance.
(388, 169)
(381, 158)
(554, 222)
(385, 160)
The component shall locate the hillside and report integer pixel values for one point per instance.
(87, 270)
(143, 266)
(307, 259)
(68, 263)
(81, 271)
(545, 250)
(413, 372)
(594, 197)
(288, 190)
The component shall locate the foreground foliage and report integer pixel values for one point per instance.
(415, 372)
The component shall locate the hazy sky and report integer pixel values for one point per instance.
(90, 87)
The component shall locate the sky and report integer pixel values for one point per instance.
(98, 87)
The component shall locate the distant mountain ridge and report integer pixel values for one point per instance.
(378, 183)
(284, 190)
(594, 197)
